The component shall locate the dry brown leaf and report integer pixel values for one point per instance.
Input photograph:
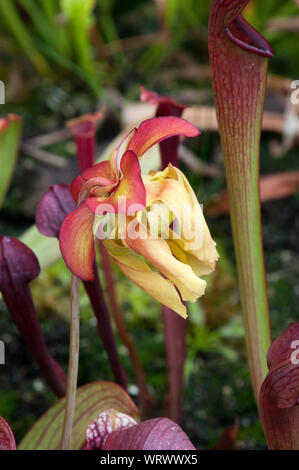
(272, 187)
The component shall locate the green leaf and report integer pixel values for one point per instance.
(17, 27)
(92, 399)
(10, 132)
(77, 8)
(46, 249)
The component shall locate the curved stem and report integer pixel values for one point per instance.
(73, 365)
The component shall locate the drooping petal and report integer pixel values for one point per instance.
(77, 242)
(100, 172)
(158, 253)
(207, 254)
(172, 188)
(168, 188)
(139, 272)
(131, 184)
(152, 131)
(165, 107)
(169, 191)
(204, 259)
(172, 197)
(76, 187)
(130, 188)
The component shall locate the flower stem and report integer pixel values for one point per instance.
(73, 365)
(175, 332)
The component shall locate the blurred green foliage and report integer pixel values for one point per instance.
(100, 42)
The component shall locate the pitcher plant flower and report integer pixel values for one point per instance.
(174, 326)
(84, 132)
(54, 206)
(168, 269)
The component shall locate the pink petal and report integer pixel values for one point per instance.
(101, 171)
(154, 130)
(77, 242)
(131, 188)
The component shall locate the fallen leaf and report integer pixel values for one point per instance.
(272, 187)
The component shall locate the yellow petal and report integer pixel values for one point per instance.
(158, 253)
(207, 255)
(203, 254)
(136, 269)
(169, 187)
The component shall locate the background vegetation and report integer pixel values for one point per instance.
(62, 58)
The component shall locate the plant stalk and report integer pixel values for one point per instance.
(239, 59)
(175, 331)
(73, 365)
